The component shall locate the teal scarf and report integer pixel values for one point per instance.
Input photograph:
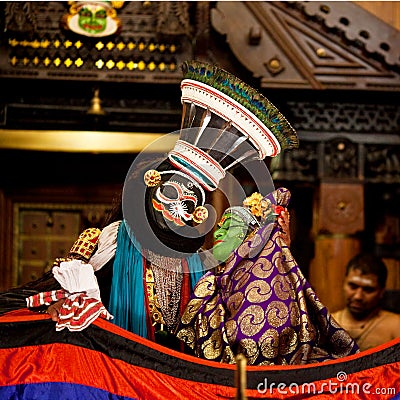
(127, 298)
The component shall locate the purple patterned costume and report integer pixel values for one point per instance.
(262, 306)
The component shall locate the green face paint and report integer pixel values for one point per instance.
(230, 235)
(93, 19)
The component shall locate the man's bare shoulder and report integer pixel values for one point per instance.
(392, 321)
(390, 314)
(337, 314)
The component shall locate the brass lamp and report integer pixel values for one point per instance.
(95, 108)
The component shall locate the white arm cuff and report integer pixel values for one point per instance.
(76, 276)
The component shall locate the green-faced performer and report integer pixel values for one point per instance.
(236, 223)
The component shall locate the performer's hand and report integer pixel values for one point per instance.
(284, 223)
(54, 309)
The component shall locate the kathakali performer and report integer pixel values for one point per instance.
(140, 269)
(258, 303)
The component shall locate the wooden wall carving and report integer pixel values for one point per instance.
(44, 232)
(341, 209)
(318, 45)
(279, 45)
(351, 117)
(340, 160)
(154, 40)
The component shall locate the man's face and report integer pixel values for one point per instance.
(362, 293)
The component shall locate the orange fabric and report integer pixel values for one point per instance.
(65, 362)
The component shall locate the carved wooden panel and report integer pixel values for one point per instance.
(345, 116)
(43, 232)
(340, 209)
(345, 142)
(315, 45)
(153, 41)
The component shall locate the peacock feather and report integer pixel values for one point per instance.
(245, 95)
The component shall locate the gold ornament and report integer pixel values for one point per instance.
(85, 245)
(152, 178)
(200, 214)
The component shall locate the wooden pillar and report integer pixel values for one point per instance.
(338, 217)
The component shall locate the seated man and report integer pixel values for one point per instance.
(257, 302)
(364, 285)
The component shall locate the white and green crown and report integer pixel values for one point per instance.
(225, 122)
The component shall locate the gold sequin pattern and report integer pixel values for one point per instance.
(187, 335)
(232, 329)
(307, 331)
(269, 343)
(287, 340)
(262, 269)
(205, 287)
(212, 347)
(294, 312)
(191, 310)
(277, 313)
(241, 276)
(235, 302)
(216, 318)
(282, 287)
(251, 320)
(258, 291)
(249, 348)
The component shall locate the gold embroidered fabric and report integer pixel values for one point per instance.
(85, 245)
(154, 306)
(262, 307)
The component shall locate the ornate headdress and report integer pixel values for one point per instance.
(224, 122)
